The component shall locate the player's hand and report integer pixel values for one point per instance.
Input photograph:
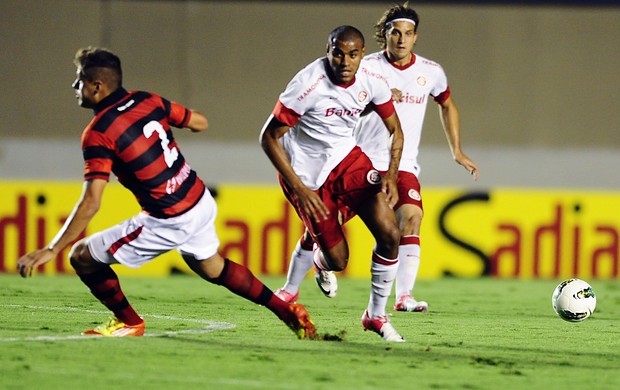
(312, 205)
(29, 262)
(388, 186)
(397, 95)
(468, 164)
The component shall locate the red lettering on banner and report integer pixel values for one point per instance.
(23, 226)
(18, 222)
(554, 234)
(611, 251)
(513, 249)
(554, 230)
(242, 245)
(283, 227)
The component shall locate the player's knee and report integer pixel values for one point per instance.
(390, 239)
(79, 256)
(410, 219)
(339, 264)
(337, 260)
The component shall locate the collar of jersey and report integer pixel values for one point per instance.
(400, 67)
(111, 99)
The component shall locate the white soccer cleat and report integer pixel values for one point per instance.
(381, 326)
(327, 282)
(408, 303)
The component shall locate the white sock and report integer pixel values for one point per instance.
(301, 263)
(383, 272)
(408, 265)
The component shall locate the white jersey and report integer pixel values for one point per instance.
(417, 81)
(323, 115)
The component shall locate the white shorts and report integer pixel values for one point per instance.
(140, 239)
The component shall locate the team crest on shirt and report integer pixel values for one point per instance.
(421, 81)
(373, 176)
(362, 96)
(413, 194)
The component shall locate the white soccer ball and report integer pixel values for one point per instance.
(573, 300)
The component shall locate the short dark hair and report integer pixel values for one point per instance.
(99, 63)
(396, 12)
(345, 33)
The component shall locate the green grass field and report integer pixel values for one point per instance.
(479, 334)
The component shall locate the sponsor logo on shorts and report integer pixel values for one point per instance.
(413, 194)
(373, 176)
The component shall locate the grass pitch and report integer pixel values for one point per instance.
(479, 334)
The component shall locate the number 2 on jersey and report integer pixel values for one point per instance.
(170, 154)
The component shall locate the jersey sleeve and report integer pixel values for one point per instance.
(98, 153)
(441, 90)
(178, 115)
(384, 110)
(442, 97)
(285, 114)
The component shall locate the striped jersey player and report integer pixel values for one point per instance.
(131, 137)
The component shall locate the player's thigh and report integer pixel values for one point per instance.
(133, 242)
(201, 240)
(380, 219)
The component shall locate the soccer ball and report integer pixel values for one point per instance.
(573, 300)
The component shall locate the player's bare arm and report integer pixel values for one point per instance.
(197, 122)
(450, 120)
(388, 184)
(270, 136)
(84, 211)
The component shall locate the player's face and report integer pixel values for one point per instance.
(400, 39)
(344, 59)
(84, 90)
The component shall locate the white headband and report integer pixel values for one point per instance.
(402, 20)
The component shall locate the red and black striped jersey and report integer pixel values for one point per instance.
(131, 136)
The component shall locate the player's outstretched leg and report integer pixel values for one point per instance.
(240, 280)
(105, 286)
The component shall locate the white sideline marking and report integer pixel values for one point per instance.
(210, 326)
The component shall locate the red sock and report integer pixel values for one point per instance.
(240, 280)
(104, 285)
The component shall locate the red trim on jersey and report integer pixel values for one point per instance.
(410, 240)
(382, 260)
(125, 240)
(385, 110)
(347, 85)
(442, 97)
(285, 114)
(400, 67)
